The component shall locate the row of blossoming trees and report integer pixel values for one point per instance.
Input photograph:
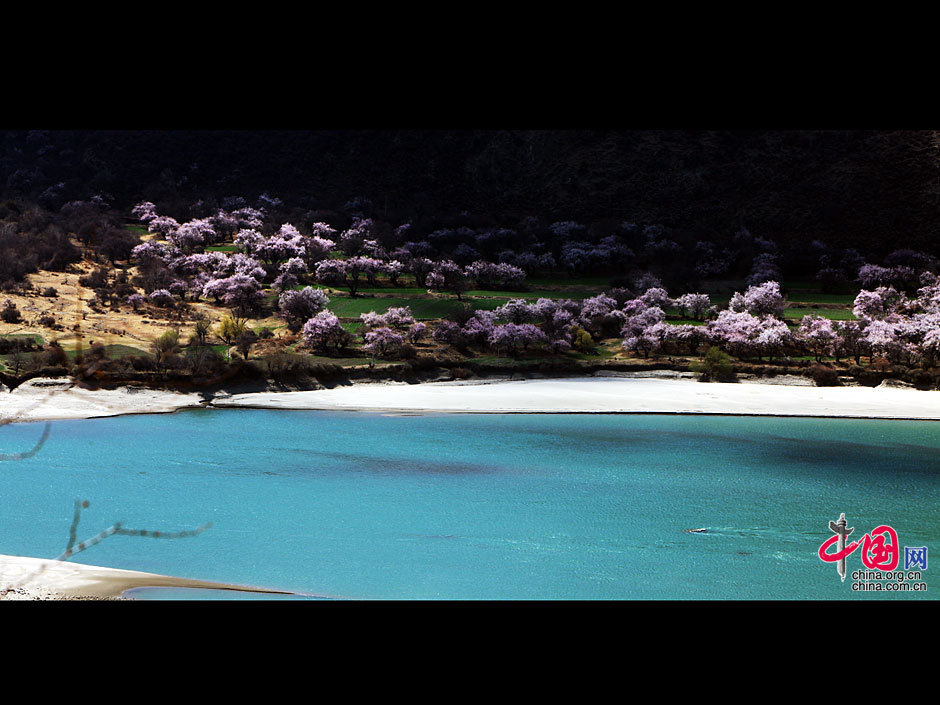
(179, 267)
(889, 324)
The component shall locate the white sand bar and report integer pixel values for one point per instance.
(607, 395)
(59, 398)
(26, 578)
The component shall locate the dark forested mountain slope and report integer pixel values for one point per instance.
(873, 189)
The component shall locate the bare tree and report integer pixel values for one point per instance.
(73, 546)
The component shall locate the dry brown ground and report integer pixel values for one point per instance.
(82, 325)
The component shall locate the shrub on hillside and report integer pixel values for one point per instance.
(201, 361)
(459, 314)
(280, 365)
(922, 379)
(327, 371)
(423, 363)
(10, 313)
(244, 341)
(715, 366)
(230, 327)
(582, 341)
(824, 376)
(12, 345)
(98, 351)
(143, 363)
(96, 279)
(52, 356)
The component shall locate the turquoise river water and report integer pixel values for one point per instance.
(478, 506)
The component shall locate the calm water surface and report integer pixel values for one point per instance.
(372, 506)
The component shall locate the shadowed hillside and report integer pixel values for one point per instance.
(870, 188)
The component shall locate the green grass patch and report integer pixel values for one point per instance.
(506, 361)
(38, 339)
(417, 292)
(820, 298)
(486, 293)
(6, 362)
(835, 314)
(530, 296)
(346, 307)
(599, 353)
(422, 309)
(221, 248)
(300, 287)
(222, 349)
(562, 279)
(341, 361)
(114, 352)
(7, 365)
(393, 290)
(325, 359)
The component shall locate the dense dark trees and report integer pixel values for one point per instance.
(30, 240)
(845, 187)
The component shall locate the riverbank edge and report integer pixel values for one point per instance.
(28, 578)
(64, 399)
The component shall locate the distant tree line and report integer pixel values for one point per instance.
(849, 188)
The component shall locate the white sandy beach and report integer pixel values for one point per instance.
(608, 395)
(51, 399)
(58, 398)
(23, 578)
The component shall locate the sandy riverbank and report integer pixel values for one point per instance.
(23, 578)
(43, 399)
(607, 395)
(58, 398)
